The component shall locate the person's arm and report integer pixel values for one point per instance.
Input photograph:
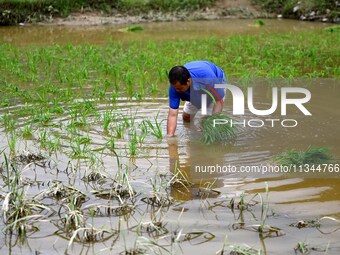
(172, 122)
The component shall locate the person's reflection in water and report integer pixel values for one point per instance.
(178, 191)
(198, 182)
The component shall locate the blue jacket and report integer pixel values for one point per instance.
(204, 75)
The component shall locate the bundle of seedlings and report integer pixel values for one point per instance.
(313, 155)
(217, 128)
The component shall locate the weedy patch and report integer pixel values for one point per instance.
(91, 235)
(158, 200)
(262, 228)
(21, 214)
(19, 211)
(313, 155)
(214, 131)
(239, 250)
(29, 157)
(122, 209)
(302, 248)
(95, 176)
(159, 195)
(206, 191)
(194, 237)
(131, 29)
(242, 204)
(305, 248)
(317, 224)
(117, 188)
(333, 29)
(306, 224)
(154, 229)
(57, 190)
(133, 251)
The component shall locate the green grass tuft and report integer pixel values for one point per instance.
(213, 132)
(131, 29)
(313, 155)
(333, 29)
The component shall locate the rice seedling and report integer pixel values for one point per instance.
(108, 117)
(42, 117)
(43, 138)
(264, 229)
(111, 143)
(312, 155)
(27, 132)
(119, 129)
(156, 128)
(73, 218)
(129, 81)
(81, 148)
(8, 123)
(143, 126)
(221, 133)
(113, 97)
(56, 108)
(159, 196)
(91, 235)
(119, 188)
(153, 89)
(302, 248)
(133, 143)
(12, 140)
(19, 213)
(54, 145)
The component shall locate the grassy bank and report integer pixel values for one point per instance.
(19, 11)
(325, 10)
(16, 11)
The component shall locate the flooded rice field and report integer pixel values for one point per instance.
(97, 175)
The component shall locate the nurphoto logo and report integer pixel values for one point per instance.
(238, 107)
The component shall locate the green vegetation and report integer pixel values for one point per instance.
(72, 103)
(131, 29)
(217, 131)
(313, 155)
(305, 9)
(31, 74)
(16, 11)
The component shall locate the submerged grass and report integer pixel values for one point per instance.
(312, 155)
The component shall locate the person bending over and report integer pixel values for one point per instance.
(188, 83)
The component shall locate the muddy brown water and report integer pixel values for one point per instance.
(26, 35)
(291, 198)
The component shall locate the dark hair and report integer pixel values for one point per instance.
(179, 74)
